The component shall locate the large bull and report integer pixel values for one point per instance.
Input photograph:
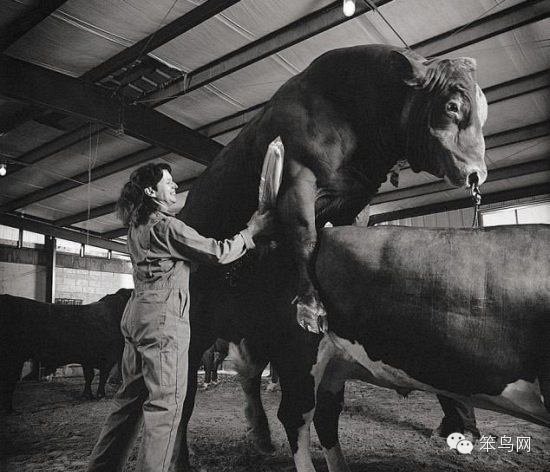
(462, 313)
(345, 121)
(58, 335)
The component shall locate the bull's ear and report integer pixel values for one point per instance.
(409, 66)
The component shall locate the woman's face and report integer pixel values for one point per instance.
(165, 192)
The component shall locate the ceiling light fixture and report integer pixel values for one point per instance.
(349, 7)
(3, 169)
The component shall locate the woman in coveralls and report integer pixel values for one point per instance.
(155, 323)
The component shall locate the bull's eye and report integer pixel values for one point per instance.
(452, 108)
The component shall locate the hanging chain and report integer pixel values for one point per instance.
(476, 197)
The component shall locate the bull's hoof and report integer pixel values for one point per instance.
(100, 395)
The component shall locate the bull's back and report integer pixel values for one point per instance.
(514, 258)
(311, 112)
(476, 299)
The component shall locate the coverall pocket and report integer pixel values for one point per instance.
(151, 297)
(169, 360)
(149, 309)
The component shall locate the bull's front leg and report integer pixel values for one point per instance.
(296, 207)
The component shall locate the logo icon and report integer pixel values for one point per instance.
(459, 442)
(465, 447)
(454, 438)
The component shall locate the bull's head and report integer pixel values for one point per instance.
(443, 117)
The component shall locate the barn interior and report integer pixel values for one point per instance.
(90, 90)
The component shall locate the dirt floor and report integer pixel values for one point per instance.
(53, 430)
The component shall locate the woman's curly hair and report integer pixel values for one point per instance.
(134, 206)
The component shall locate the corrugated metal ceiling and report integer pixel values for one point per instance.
(508, 38)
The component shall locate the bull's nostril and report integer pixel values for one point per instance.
(473, 179)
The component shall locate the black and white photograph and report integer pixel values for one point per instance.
(274, 235)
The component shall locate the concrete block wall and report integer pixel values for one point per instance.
(88, 285)
(23, 280)
(23, 274)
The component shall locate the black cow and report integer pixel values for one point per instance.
(212, 359)
(344, 121)
(58, 335)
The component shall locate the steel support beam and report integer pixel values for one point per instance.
(95, 212)
(48, 229)
(500, 139)
(494, 94)
(10, 35)
(103, 210)
(505, 138)
(116, 233)
(515, 88)
(501, 173)
(83, 178)
(523, 13)
(28, 21)
(156, 39)
(230, 123)
(488, 198)
(44, 87)
(56, 145)
(184, 23)
(296, 32)
(513, 17)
